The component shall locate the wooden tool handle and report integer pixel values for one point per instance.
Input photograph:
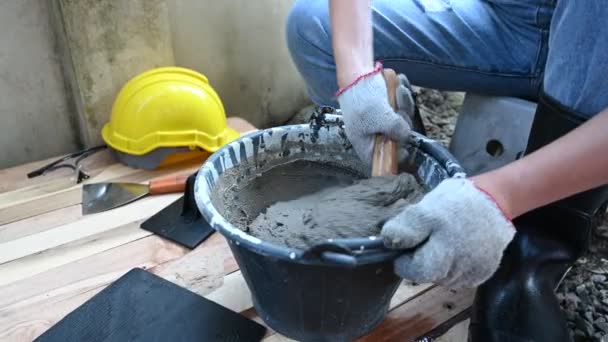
(168, 184)
(384, 160)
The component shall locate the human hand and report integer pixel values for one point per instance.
(458, 233)
(367, 112)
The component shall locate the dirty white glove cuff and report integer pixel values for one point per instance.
(459, 234)
(367, 112)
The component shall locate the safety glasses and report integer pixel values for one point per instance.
(74, 161)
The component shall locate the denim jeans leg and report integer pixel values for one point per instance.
(486, 46)
(576, 72)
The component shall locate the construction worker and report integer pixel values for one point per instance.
(512, 231)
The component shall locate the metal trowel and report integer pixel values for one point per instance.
(181, 222)
(98, 197)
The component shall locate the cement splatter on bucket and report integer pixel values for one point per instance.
(337, 290)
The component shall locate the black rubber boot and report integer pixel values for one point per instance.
(518, 303)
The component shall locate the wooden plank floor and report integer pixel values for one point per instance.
(52, 259)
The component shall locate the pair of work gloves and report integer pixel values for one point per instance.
(456, 234)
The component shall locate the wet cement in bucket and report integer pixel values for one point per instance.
(319, 201)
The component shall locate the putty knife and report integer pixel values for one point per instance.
(98, 197)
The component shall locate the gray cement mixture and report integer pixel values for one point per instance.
(339, 204)
(241, 200)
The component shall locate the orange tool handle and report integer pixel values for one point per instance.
(384, 160)
(168, 184)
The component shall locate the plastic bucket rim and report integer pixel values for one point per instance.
(236, 236)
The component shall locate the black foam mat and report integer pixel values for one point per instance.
(141, 306)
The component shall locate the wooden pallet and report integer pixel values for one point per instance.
(52, 259)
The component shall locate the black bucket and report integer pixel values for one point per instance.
(336, 291)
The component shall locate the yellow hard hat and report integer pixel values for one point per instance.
(167, 107)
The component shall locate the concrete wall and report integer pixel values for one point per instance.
(35, 119)
(62, 63)
(108, 42)
(240, 46)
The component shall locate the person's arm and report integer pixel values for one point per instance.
(460, 213)
(351, 39)
(362, 93)
(574, 163)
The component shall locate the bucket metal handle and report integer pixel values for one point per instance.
(362, 244)
(344, 252)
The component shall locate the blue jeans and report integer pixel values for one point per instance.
(502, 47)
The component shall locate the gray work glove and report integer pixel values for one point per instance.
(458, 233)
(367, 112)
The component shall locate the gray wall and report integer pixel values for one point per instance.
(98, 45)
(35, 119)
(107, 43)
(240, 46)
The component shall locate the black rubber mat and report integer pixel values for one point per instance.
(141, 306)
